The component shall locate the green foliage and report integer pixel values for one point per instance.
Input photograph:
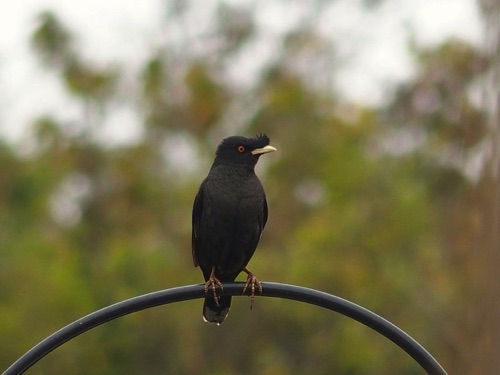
(206, 99)
(84, 224)
(51, 40)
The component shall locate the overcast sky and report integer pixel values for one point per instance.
(124, 30)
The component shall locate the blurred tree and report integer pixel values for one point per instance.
(483, 312)
(376, 205)
(454, 133)
(52, 41)
(95, 85)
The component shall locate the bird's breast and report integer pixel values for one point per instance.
(233, 202)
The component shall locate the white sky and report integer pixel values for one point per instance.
(125, 30)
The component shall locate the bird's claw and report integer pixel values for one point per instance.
(254, 284)
(212, 284)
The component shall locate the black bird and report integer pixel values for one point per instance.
(229, 214)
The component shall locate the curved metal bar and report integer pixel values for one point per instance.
(184, 293)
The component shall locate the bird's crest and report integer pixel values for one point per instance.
(261, 139)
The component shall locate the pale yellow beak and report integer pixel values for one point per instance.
(263, 150)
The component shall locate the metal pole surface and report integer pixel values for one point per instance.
(184, 293)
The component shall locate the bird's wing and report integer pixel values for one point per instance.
(264, 213)
(253, 240)
(197, 211)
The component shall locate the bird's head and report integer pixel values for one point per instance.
(238, 150)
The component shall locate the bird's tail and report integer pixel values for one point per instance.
(213, 313)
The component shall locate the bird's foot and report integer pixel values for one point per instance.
(212, 284)
(252, 284)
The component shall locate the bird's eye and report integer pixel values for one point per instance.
(241, 149)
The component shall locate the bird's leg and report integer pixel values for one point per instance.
(212, 283)
(251, 282)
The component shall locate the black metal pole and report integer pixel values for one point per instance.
(184, 293)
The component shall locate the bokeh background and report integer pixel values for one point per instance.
(385, 189)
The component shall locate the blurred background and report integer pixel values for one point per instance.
(384, 191)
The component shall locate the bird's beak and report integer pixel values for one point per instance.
(263, 150)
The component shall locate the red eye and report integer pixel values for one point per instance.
(241, 149)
